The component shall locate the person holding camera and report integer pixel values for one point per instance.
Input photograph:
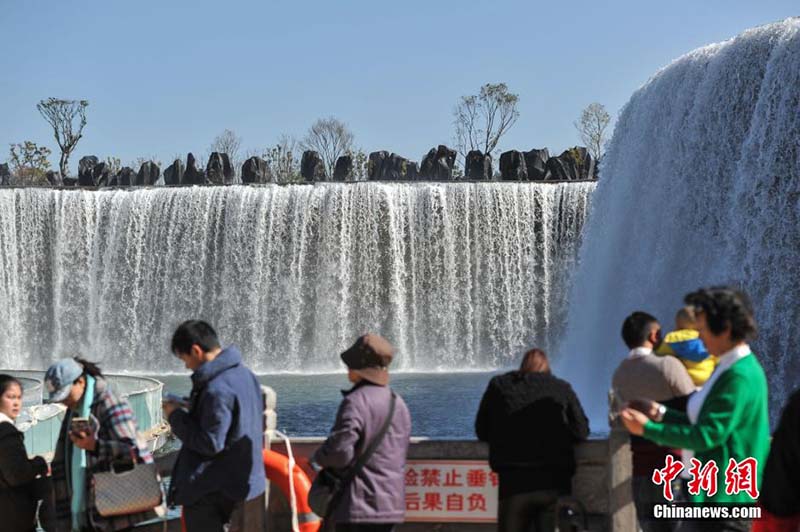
(98, 433)
(727, 420)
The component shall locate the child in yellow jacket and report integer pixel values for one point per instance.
(684, 343)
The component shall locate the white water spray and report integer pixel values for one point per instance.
(457, 275)
(700, 185)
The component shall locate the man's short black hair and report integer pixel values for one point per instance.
(636, 328)
(725, 306)
(194, 332)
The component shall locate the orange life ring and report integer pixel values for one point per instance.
(276, 466)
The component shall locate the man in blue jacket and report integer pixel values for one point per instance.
(219, 473)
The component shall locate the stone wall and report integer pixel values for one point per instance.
(438, 164)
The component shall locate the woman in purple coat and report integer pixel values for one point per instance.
(374, 501)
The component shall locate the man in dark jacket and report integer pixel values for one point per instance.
(531, 421)
(219, 473)
(375, 500)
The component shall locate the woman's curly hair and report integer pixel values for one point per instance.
(723, 307)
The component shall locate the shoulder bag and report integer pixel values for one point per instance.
(328, 486)
(127, 492)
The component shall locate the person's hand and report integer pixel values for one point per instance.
(633, 420)
(645, 406)
(169, 407)
(84, 440)
(41, 465)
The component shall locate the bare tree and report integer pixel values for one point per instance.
(227, 142)
(283, 159)
(592, 127)
(482, 119)
(113, 165)
(360, 164)
(29, 163)
(139, 161)
(67, 118)
(331, 138)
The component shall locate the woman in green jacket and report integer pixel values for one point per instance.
(727, 419)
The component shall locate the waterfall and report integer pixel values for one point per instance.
(457, 275)
(700, 186)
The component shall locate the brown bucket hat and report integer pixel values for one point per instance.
(370, 357)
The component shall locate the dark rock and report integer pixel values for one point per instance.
(128, 176)
(438, 164)
(412, 171)
(173, 175)
(587, 170)
(558, 170)
(343, 171)
(375, 164)
(387, 166)
(512, 166)
(53, 177)
(536, 164)
(573, 164)
(219, 170)
(392, 168)
(395, 168)
(193, 175)
(311, 166)
(5, 176)
(477, 165)
(125, 178)
(148, 174)
(101, 175)
(92, 173)
(86, 171)
(256, 170)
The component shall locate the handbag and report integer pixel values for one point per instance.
(328, 486)
(127, 492)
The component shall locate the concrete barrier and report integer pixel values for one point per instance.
(602, 481)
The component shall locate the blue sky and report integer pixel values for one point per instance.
(165, 77)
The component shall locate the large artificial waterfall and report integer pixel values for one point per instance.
(457, 275)
(701, 185)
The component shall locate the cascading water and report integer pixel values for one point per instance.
(457, 275)
(700, 185)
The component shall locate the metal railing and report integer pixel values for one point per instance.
(41, 423)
